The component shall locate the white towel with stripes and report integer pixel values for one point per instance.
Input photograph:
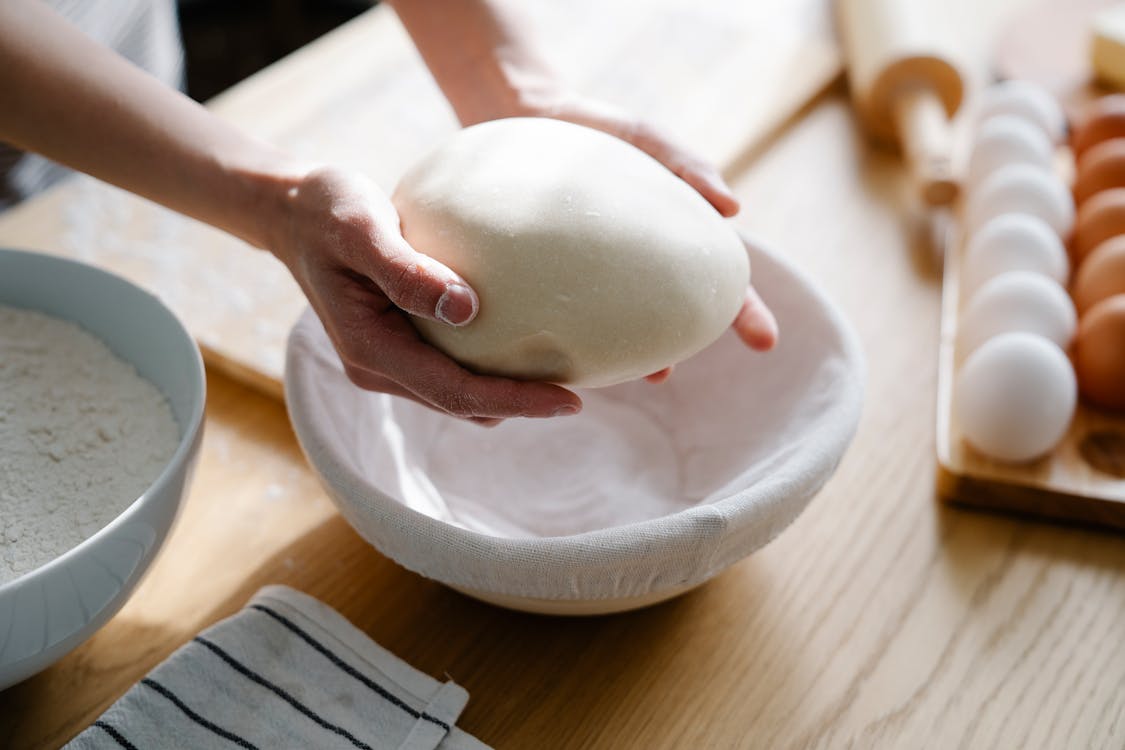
(285, 672)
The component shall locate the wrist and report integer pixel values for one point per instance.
(263, 201)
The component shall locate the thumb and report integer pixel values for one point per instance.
(423, 286)
(370, 243)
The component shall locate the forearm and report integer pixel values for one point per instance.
(66, 97)
(480, 56)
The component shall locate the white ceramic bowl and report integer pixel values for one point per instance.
(49, 611)
(651, 490)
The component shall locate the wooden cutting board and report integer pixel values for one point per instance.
(720, 76)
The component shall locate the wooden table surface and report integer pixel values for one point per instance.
(878, 619)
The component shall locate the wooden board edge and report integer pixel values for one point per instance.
(1028, 501)
(244, 374)
(961, 484)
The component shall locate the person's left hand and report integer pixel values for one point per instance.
(754, 324)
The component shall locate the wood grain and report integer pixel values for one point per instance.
(880, 619)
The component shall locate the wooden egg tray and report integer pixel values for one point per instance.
(1082, 480)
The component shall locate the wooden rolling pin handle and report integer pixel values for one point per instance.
(923, 130)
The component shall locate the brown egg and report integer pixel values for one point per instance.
(1102, 167)
(1102, 120)
(1099, 218)
(1101, 275)
(1099, 353)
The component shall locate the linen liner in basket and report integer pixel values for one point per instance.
(652, 490)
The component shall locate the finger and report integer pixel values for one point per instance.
(659, 377)
(462, 393)
(370, 381)
(384, 344)
(690, 168)
(755, 324)
(366, 234)
(710, 184)
(373, 381)
(421, 285)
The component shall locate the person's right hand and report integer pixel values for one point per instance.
(339, 235)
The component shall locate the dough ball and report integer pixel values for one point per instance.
(594, 264)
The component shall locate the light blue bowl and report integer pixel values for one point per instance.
(49, 611)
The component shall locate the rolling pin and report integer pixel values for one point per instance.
(905, 84)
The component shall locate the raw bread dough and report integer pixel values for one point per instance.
(594, 264)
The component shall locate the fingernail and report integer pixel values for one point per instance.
(457, 305)
(565, 411)
(733, 206)
(722, 189)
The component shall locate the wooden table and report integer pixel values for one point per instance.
(879, 619)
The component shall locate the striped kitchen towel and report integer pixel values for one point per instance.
(285, 672)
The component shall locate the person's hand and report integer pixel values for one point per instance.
(754, 324)
(340, 239)
(480, 54)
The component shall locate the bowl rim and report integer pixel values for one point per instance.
(628, 545)
(190, 432)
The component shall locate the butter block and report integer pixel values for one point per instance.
(1107, 48)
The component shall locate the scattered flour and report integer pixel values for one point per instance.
(82, 435)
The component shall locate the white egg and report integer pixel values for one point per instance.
(1027, 100)
(1017, 301)
(1002, 140)
(1021, 188)
(1015, 397)
(1013, 242)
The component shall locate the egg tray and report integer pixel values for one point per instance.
(1082, 480)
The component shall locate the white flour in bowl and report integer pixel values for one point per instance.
(82, 435)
